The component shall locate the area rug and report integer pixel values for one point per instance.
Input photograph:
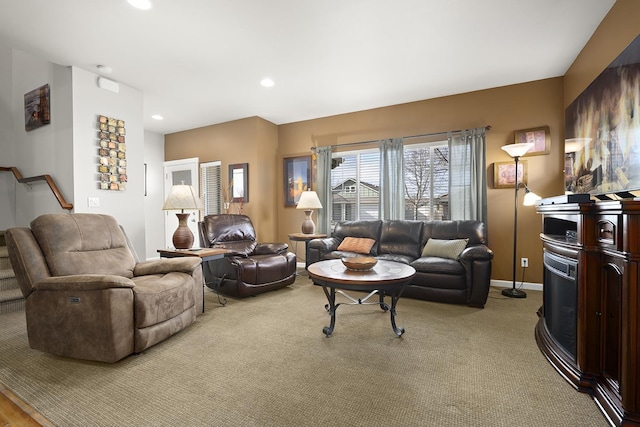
(264, 361)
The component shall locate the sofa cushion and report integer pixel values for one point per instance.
(360, 245)
(451, 248)
(438, 266)
(401, 237)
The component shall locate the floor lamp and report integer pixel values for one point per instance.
(516, 151)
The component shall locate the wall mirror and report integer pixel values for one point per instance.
(239, 177)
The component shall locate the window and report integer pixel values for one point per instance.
(210, 181)
(355, 183)
(426, 178)
(355, 189)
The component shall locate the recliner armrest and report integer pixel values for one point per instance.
(270, 248)
(84, 282)
(167, 265)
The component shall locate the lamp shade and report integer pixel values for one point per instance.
(182, 197)
(530, 198)
(309, 200)
(517, 150)
(572, 145)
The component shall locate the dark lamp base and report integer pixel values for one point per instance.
(514, 293)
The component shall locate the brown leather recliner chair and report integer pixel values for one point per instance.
(88, 297)
(253, 267)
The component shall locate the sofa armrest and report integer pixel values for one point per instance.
(270, 248)
(476, 261)
(185, 264)
(476, 252)
(327, 244)
(318, 248)
(85, 282)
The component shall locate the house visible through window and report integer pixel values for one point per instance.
(355, 183)
(355, 189)
(210, 182)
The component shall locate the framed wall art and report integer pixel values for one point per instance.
(37, 108)
(602, 131)
(239, 182)
(297, 178)
(112, 154)
(540, 137)
(504, 174)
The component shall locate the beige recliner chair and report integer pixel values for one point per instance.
(88, 297)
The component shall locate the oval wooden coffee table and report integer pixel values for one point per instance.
(386, 278)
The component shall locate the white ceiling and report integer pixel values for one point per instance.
(200, 62)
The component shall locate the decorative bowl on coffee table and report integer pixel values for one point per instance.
(359, 263)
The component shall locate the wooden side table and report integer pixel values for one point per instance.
(306, 238)
(206, 254)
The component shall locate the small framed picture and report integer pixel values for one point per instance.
(504, 175)
(538, 136)
(37, 108)
(297, 178)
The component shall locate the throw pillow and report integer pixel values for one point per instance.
(445, 248)
(361, 245)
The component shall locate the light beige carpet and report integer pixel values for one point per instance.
(264, 361)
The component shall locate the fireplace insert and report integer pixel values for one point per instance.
(560, 300)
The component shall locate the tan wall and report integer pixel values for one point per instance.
(506, 109)
(264, 145)
(252, 140)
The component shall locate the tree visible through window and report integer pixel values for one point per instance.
(426, 182)
(355, 183)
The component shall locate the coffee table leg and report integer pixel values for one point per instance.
(383, 305)
(398, 330)
(331, 297)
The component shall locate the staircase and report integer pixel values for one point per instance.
(10, 295)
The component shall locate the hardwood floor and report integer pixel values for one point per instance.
(16, 412)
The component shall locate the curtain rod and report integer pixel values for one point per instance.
(488, 127)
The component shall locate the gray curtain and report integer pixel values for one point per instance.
(467, 175)
(391, 204)
(323, 188)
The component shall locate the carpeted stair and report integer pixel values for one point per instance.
(10, 296)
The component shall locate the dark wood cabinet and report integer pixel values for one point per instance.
(589, 323)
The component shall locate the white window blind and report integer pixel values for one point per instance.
(210, 181)
(355, 186)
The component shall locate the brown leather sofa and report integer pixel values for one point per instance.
(464, 280)
(87, 295)
(253, 267)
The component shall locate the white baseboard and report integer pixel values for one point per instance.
(300, 265)
(509, 284)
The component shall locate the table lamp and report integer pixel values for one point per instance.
(308, 201)
(182, 197)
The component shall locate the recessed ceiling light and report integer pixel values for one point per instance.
(140, 4)
(157, 117)
(105, 69)
(267, 82)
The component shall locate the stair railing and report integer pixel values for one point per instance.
(52, 185)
